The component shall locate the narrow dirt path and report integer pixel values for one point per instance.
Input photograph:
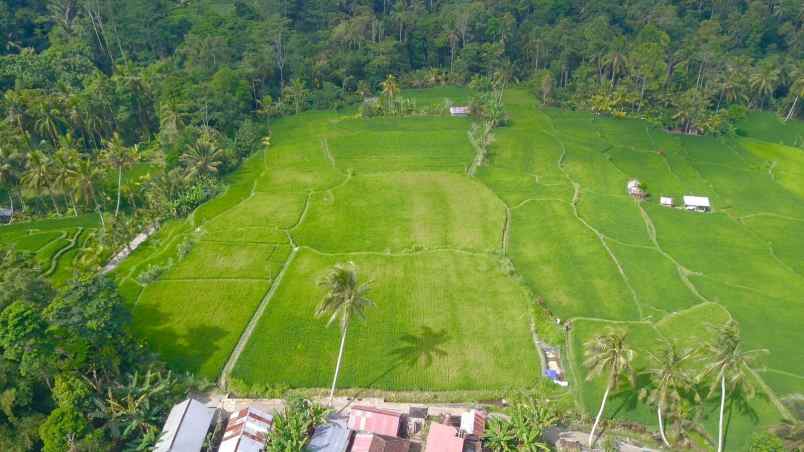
(576, 197)
(478, 160)
(683, 272)
(252, 324)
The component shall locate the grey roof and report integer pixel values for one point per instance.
(331, 437)
(418, 412)
(185, 428)
(5, 212)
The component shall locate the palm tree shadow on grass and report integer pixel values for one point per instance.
(414, 351)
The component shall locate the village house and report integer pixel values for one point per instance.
(185, 428)
(247, 431)
(635, 189)
(372, 442)
(375, 420)
(463, 434)
(417, 418)
(697, 203)
(459, 111)
(666, 201)
(334, 436)
(5, 215)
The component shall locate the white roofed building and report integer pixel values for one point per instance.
(459, 111)
(666, 201)
(697, 203)
(473, 422)
(247, 431)
(185, 428)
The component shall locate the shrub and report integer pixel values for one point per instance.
(248, 137)
(193, 196)
(257, 390)
(185, 247)
(153, 272)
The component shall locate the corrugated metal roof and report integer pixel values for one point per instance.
(247, 431)
(443, 438)
(185, 428)
(696, 201)
(371, 442)
(374, 420)
(331, 437)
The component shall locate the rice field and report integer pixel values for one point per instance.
(456, 262)
(54, 244)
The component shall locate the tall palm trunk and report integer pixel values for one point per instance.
(119, 184)
(11, 202)
(53, 198)
(792, 109)
(661, 425)
(722, 407)
(22, 200)
(599, 414)
(338, 365)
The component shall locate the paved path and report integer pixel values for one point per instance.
(133, 245)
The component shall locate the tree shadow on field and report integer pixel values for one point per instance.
(422, 349)
(739, 400)
(184, 351)
(413, 351)
(627, 399)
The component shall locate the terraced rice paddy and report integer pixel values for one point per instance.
(392, 195)
(54, 243)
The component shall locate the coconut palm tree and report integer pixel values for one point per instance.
(39, 175)
(390, 89)
(608, 353)
(296, 92)
(797, 90)
(47, 116)
(730, 365)
(345, 299)
(10, 173)
(85, 174)
(670, 379)
(764, 81)
(203, 158)
(64, 161)
(118, 157)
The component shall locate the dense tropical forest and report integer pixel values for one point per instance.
(131, 112)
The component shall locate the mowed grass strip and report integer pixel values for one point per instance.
(404, 211)
(194, 325)
(442, 321)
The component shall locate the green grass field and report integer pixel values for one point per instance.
(456, 261)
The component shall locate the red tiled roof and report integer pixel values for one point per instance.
(443, 438)
(374, 420)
